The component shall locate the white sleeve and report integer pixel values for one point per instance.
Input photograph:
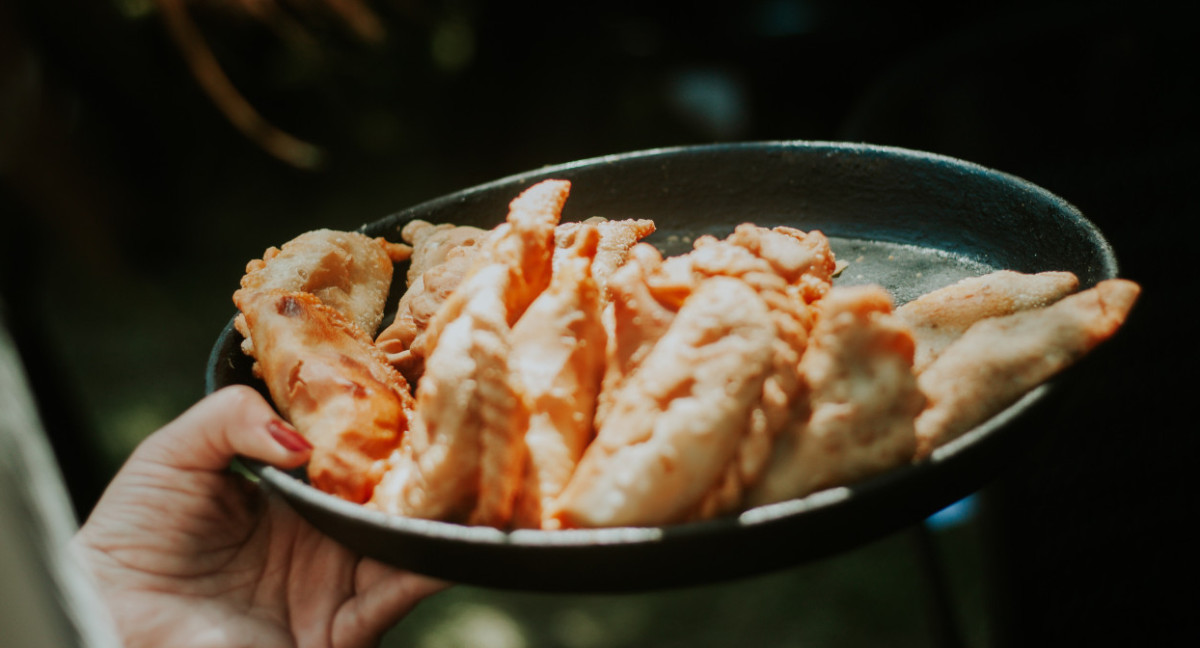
(46, 595)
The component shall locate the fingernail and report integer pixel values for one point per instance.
(287, 436)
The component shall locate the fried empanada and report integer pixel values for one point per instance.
(940, 317)
(432, 244)
(649, 289)
(464, 458)
(347, 271)
(557, 359)
(442, 255)
(803, 259)
(998, 359)
(862, 399)
(327, 378)
(675, 425)
(617, 238)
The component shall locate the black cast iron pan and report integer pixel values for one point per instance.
(907, 220)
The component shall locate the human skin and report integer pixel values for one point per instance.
(187, 552)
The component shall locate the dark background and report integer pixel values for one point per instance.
(129, 206)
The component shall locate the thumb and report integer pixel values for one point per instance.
(232, 421)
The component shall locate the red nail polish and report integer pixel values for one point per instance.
(287, 436)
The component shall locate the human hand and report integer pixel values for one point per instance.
(188, 553)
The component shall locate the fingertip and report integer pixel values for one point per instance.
(257, 412)
(289, 438)
(232, 421)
